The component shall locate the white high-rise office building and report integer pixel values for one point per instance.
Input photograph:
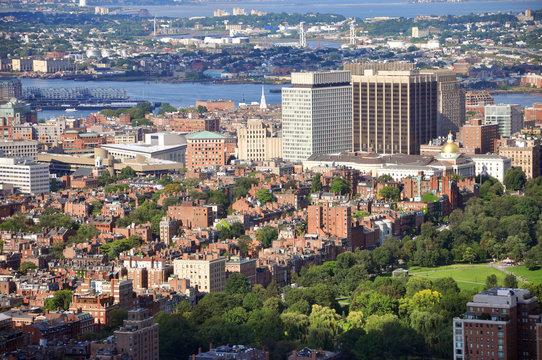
(316, 114)
(25, 175)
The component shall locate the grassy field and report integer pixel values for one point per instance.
(468, 277)
(531, 276)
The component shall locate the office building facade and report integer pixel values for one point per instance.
(258, 141)
(316, 114)
(508, 116)
(25, 175)
(393, 111)
(138, 337)
(451, 101)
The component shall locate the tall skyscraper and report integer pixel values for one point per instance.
(316, 114)
(451, 101)
(395, 108)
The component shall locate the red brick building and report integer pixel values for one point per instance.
(75, 140)
(498, 324)
(334, 221)
(212, 105)
(532, 80)
(534, 112)
(191, 216)
(205, 149)
(478, 138)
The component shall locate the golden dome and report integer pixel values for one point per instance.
(450, 148)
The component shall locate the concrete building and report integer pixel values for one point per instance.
(207, 272)
(10, 88)
(524, 152)
(19, 148)
(164, 146)
(451, 101)
(258, 141)
(316, 114)
(509, 117)
(498, 324)
(25, 175)
(395, 111)
(138, 336)
(477, 137)
(50, 130)
(51, 66)
(205, 149)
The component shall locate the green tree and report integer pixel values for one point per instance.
(322, 317)
(267, 235)
(26, 267)
(202, 109)
(316, 185)
(166, 107)
(390, 193)
(60, 300)
(127, 173)
(264, 196)
(510, 281)
(491, 281)
(237, 284)
(340, 186)
(514, 179)
(385, 178)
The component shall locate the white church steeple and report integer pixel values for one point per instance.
(263, 103)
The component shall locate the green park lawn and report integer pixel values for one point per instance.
(534, 276)
(468, 277)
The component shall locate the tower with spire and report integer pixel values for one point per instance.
(263, 103)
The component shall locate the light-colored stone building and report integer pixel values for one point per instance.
(258, 141)
(524, 152)
(207, 272)
(316, 114)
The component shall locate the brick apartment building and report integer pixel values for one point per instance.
(138, 336)
(532, 80)
(477, 137)
(524, 152)
(533, 113)
(205, 149)
(499, 324)
(191, 216)
(333, 221)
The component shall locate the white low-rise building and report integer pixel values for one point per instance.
(163, 146)
(491, 164)
(25, 175)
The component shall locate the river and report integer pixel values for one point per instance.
(362, 9)
(186, 94)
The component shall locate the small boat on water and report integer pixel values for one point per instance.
(71, 109)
